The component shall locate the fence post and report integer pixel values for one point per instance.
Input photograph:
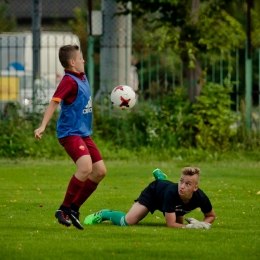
(221, 68)
(116, 44)
(91, 63)
(90, 49)
(248, 68)
(248, 97)
(36, 43)
(237, 80)
(259, 87)
(142, 73)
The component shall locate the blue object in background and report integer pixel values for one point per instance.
(15, 66)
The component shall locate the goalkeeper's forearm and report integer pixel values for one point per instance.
(209, 219)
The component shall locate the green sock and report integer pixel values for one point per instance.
(116, 217)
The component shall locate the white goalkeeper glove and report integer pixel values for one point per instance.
(192, 220)
(199, 225)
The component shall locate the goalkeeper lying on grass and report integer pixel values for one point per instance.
(173, 199)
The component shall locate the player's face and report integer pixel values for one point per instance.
(78, 62)
(187, 185)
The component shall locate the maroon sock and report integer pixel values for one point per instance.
(73, 189)
(87, 189)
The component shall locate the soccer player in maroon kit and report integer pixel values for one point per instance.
(74, 129)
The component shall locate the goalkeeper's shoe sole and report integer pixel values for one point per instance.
(159, 175)
(74, 217)
(63, 217)
(94, 218)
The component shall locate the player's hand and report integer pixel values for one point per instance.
(199, 225)
(38, 132)
(192, 220)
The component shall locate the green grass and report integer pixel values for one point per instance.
(31, 191)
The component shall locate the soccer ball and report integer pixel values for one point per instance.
(123, 97)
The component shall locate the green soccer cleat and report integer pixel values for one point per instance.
(94, 218)
(159, 175)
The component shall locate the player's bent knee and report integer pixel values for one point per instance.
(98, 174)
(83, 174)
(103, 172)
(86, 171)
(99, 170)
(131, 221)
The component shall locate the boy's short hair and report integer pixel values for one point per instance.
(190, 171)
(66, 53)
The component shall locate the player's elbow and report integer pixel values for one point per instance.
(211, 219)
(211, 216)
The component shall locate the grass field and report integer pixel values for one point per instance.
(31, 191)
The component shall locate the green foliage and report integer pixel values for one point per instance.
(218, 30)
(127, 129)
(190, 29)
(214, 29)
(238, 10)
(148, 32)
(206, 130)
(255, 13)
(244, 139)
(17, 138)
(174, 123)
(170, 124)
(157, 124)
(7, 24)
(167, 9)
(79, 27)
(214, 118)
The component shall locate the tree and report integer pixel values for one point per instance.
(79, 27)
(202, 26)
(7, 24)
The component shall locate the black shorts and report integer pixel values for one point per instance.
(147, 197)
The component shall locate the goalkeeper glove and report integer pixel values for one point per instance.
(199, 225)
(191, 220)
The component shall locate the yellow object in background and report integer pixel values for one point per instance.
(9, 88)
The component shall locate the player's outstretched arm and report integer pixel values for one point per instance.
(46, 118)
(205, 224)
(173, 221)
(209, 217)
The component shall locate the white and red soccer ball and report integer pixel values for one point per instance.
(123, 97)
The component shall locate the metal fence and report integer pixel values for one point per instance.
(111, 59)
(17, 83)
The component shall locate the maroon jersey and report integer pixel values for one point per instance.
(67, 90)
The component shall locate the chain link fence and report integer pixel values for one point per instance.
(117, 49)
(60, 23)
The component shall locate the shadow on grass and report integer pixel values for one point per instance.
(151, 224)
(146, 224)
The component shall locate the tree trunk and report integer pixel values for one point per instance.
(195, 5)
(193, 75)
(193, 78)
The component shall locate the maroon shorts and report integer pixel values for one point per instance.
(77, 146)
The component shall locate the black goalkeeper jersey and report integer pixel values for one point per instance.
(163, 196)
